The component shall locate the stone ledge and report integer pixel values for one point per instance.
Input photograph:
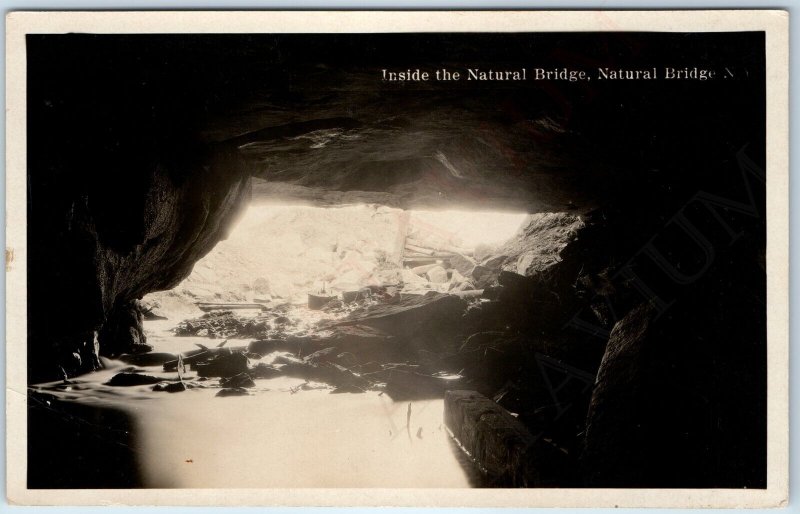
(494, 439)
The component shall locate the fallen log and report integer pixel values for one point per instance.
(202, 355)
(418, 260)
(421, 270)
(438, 247)
(212, 306)
(409, 255)
(434, 255)
(420, 249)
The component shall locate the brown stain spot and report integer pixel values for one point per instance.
(189, 461)
(9, 258)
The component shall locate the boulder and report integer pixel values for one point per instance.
(500, 445)
(262, 370)
(675, 391)
(123, 331)
(254, 328)
(456, 281)
(462, 264)
(411, 315)
(437, 275)
(147, 359)
(495, 262)
(410, 278)
(223, 365)
(236, 381)
(538, 243)
(172, 387)
(464, 287)
(267, 346)
(422, 270)
(287, 359)
(483, 276)
(127, 379)
(326, 354)
(358, 339)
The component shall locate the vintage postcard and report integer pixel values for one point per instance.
(398, 258)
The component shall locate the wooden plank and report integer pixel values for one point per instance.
(419, 249)
(213, 306)
(437, 247)
(402, 233)
(440, 256)
(420, 260)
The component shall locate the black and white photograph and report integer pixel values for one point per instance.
(353, 258)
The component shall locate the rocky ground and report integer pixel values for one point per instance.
(439, 319)
(452, 325)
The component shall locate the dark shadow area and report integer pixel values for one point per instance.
(78, 446)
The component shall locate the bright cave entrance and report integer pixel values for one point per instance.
(300, 303)
(333, 259)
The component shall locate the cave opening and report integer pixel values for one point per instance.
(390, 308)
(364, 300)
(281, 253)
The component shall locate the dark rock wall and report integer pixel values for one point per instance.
(122, 196)
(679, 397)
(90, 264)
(640, 348)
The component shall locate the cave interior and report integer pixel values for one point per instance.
(624, 323)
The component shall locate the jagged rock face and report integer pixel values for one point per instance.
(119, 205)
(682, 386)
(123, 330)
(674, 330)
(93, 260)
(538, 244)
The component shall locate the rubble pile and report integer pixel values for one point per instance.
(445, 312)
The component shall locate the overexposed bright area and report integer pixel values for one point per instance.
(286, 251)
(473, 228)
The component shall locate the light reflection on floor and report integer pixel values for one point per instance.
(281, 435)
(312, 438)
